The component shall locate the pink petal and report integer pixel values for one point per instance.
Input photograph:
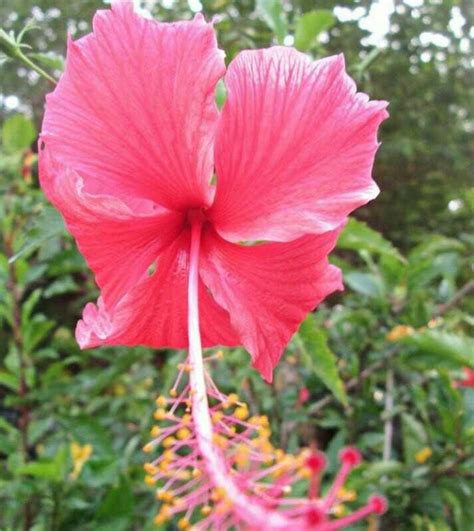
(134, 112)
(268, 289)
(119, 240)
(154, 313)
(294, 148)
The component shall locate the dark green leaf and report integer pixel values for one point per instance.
(358, 236)
(440, 349)
(118, 503)
(320, 358)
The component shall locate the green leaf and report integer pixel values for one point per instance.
(87, 430)
(53, 469)
(38, 428)
(310, 25)
(358, 236)
(18, 133)
(435, 244)
(414, 437)
(118, 503)
(365, 283)
(374, 471)
(320, 357)
(422, 271)
(272, 13)
(435, 349)
(29, 306)
(7, 427)
(35, 331)
(48, 225)
(60, 286)
(9, 380)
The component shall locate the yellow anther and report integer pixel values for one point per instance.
(161, 401)
(173, 393)
(164, 466)
(163, 516)
(339, 510)
(149, 481)
(206, 510)
(150, 469)
(305, 472)
(266, 447)
(160, 414)
(279, 454)
(277, 473)
(183, 475)
(179, 503)
(219, 441)
(159, 519)
(241, 412)
(242, 456)
(267, 459)
(231, 400)
(219, 354)
(168, 442)
(168, 455)
(217, 494)
(224, 506)
(186, 419)
(148, 448)
(155, 431)
(217, 417)
(346, 495)
(183, 523)
(196, 473)
(164, 495)
(183, 433)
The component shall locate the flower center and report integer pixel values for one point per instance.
(196, 216)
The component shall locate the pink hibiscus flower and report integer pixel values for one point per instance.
(129, 143)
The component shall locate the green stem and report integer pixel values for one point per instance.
(28, 62)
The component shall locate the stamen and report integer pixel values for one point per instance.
(217, 467)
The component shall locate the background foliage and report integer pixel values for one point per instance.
(376, 366)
